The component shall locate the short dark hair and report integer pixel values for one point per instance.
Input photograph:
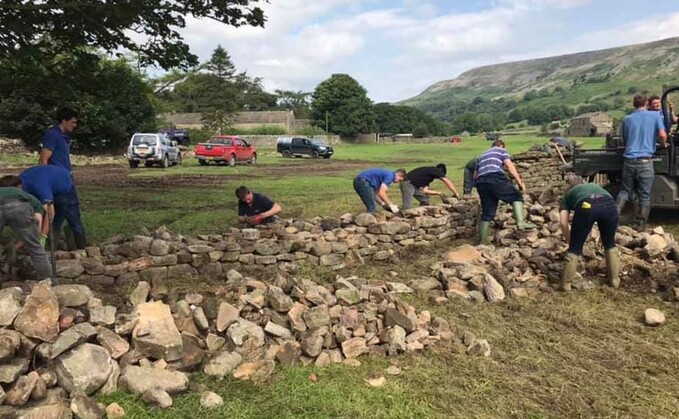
(9, 180)
(639, 101)
(66, 114)
(652, 98)
(401, 172)
(499, 143)
(242, 192)
(442, 167)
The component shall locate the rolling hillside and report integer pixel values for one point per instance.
(604, 80)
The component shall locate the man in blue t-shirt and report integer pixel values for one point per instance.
(56, 143)
(53, 184)
(371, 185)
(640, 131)
(493, 187)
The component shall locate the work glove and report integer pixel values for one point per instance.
(43, 241)
(255, 220)
(385, 206)
(522, 189)
(393, 208)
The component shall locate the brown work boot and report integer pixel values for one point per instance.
(568, 273)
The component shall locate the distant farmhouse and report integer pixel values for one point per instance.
(590, 124)
(242, 120)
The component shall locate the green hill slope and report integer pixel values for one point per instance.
(582, 82)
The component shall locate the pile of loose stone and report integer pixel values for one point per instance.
(520, 263)
(60, 344)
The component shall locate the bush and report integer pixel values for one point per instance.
(199, 135)
(310, 131)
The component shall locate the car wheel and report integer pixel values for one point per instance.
(253, 160)
(166, 162)
(134, 164)
(232, 160)
(202, 162)
(148, 163)
(314, 154)
(287, 154)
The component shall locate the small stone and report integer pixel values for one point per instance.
(10, 305)
(214, 342)
(138, 380)
(85, 408)
(278, 331)
(399, 288)
(140, 293)
(226, 316)
(10, 371)
(72, 295)
(479, 347)
(317, 317)
(21, 391)
(349, 296)
(158, 397)
(200, 319)
(80, 333)
(114, 411)
(377, 380)
(462, 254)
(393, 370)
(397, 338)
(256, 371)
(113, 343)
(222, 364)
(101, 314)
(352, 362)
(654, 317)
(323, 360)
(210, 400)
(354, 347)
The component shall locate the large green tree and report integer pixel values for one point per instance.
(404, 119)
(149, 28)
(345, 104)
(299, 102)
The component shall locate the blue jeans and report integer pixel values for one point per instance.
(366, 193)
(19, 216)
(601, 211)
(637, 176)
(493, 188)
(67, 207)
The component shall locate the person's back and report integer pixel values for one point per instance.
(377, 176)
(640, 131)
(579, 192)
(44, 182)
(491, 161)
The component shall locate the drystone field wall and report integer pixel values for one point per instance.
(542, 174)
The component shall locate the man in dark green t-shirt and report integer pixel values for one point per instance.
(590, 204)
(23, 213)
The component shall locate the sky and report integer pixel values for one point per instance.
(397, 48)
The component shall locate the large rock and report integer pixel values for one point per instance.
(352, 348)
(85, 408)
(226, 316)
(156, 334)
(393, 317)
(278, 300)
(159, 248)
(365, 219)
(101, 314)
(654, 317)
(84, 369)
(113, 343)
(10, 305)
(655, 245)
(10, 371)
(256, 371)
(141, 379)
(222, 364)
(493, 290)
(21, 391)
(39, 317)
(72, 295)
(69, 268)
(70, 338)
(140, 293)
(462, 254)
(244, 330)
(156, 396)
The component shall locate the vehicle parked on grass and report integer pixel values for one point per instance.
(223, 149)
(153, 148)
(300, 146)
(180, 135)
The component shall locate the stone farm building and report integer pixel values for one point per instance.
(590, 125)
(242, 120)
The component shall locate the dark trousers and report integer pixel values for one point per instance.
(67, 208)
(637, 176)
(19, 216)
(599, 209)
(468, 181)
(492, 189)
(366, 193)
(409, 191)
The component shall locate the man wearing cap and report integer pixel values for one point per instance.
(640, 131)
(417, 181)
(493, 187)
(372, 185)
(590, 204)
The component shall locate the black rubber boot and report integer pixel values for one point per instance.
(643, 216)
(80, 241)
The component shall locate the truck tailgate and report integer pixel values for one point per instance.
(210, 150)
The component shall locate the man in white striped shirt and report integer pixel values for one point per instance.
(493, 186)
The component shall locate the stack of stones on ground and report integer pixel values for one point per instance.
(521, 263)
(60, 345)
(327, 242)
(542, 173)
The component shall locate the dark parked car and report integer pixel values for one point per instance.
(299, 146)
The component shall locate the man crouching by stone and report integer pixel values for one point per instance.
(255, 209)
(493, 186)
(417, 181)
(23, 213)
(372, 185)
(590, 204)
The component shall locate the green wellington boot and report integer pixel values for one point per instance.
(484, 232)
(568, 272)
(521, 222)
(613, 267)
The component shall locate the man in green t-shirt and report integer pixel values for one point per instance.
(590, 204)
(23, 213)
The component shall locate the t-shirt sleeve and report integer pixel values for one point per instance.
(49, 141)
(563, 205)
(264, 203)
(505, 155)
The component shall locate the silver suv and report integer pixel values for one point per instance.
(153, 149)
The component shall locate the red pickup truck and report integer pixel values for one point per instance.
(225, 149)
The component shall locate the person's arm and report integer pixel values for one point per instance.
(382, 195)
(563, 222)
(509, 165)
(275, 209)
(451, 187)
(45, 155)
(663, 138)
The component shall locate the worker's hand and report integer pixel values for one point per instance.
(456, 195)
(522, 188)
(393, 208)
(255, 220)
(384, 206)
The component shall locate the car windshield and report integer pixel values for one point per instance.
(318, 142)
(144, 139)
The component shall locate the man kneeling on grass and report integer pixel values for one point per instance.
(371, 185)
(254, 208)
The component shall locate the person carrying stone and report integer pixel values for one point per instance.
(417, 181)
(469, 170)
(372, 185)
(493, 186)
(23, 213)
(52, 184)
(255, 208)
(590, 204)
(640, 131)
